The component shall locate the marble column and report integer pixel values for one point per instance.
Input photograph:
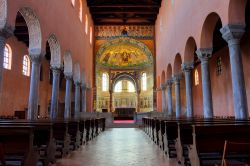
(77, 100)
(84, 87)
(164, 99)
(187, 69)
(5, 33)
(110, 101)
(34, 86)
(138, 100)
(67, 110)
(55, 92)
(232, 33)
(170, 100)
(204, 54)
(177, 83)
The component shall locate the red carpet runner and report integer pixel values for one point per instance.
(124, 121)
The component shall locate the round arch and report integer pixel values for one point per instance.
(68, 66)
(236, 11)
(177, 64)
(190, 49)
(124, 76)
(206, 40)
(169, 72)
(163, 80)
(77, 73)
(55, 50)
(144, 58)
(35, 35)
(83, 79)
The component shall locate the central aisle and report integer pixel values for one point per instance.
(118, 147)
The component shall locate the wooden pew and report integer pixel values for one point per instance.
(43, 139)
(208, 142)
(21, 151)
(82, 131)
(62, 138)
(75, 135)
(87, 132)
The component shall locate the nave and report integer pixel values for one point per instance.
(118, 147)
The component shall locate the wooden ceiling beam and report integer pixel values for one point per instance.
(124, 12)
(122, 23)
(124, 6)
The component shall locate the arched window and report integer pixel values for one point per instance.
(131, 87)
(80, 10)
(86, 23)
(26, 65)
(144, 81)
(73, 2)
(7, 58)
(118, 86)
(196, 77)
(218, 66)
(105, 82)
(90, 35)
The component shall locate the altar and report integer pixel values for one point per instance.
(124, 113)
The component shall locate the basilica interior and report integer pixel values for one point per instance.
(145, 82)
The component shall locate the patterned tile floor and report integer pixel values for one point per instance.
(118, 147)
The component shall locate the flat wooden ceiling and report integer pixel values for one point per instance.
(124, 12)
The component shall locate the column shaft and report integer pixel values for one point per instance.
(187, 68)
(77, 100)
(164, 98)
(84, 98)
(67, 111)
(55, 93)
(232, 34)
(204, 54)
(170, 100)
(2, 46)
(34, 89)
(177, 96)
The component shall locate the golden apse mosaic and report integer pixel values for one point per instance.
(124, 53)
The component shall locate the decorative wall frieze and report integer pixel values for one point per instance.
(134, 31)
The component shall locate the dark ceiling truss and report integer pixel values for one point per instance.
(121, 12)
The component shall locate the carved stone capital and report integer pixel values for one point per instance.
(187, 66)
(68, 77)
(77, 83)
(6, 32)
(177, 78)
(35, 55)
(55, 69)
(169, 83)
(232, 33)
(84, 86)
(204, 54)
(163, 87)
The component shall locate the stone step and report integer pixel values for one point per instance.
(123, 125)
